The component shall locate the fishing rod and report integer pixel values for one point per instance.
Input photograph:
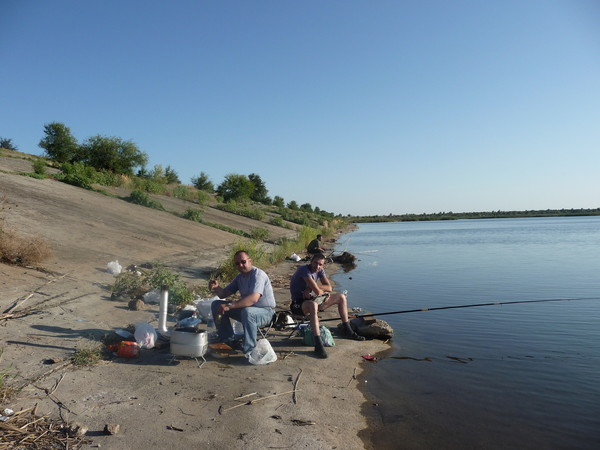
(467, 306)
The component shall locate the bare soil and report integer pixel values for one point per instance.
(157, 401)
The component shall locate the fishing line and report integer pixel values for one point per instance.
(467, 306)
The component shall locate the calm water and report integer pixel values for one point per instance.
(513, 376)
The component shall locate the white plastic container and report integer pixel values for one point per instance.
(193, 343)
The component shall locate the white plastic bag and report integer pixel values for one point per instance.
(114, 268)
(262, 354)
(295, 257)
(145, 335)
(152, 297)
(203, 306)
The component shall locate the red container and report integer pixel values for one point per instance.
(126, 349)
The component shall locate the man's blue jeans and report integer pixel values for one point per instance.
(250, 317)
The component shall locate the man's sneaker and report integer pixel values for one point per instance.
(354, 336)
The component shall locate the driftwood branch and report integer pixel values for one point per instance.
(353, 377)
(251, 402)
(18, 303)
(296, 386)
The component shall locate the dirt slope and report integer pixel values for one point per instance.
(158, 402)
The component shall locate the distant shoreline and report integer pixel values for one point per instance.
(477, 215)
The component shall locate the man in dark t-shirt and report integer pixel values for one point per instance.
(312, 292)
(314, 247)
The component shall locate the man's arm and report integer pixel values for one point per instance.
(248, 300)
(214, 287)
(325, 284)
(312, 286)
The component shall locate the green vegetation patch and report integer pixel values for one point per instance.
(144, 199)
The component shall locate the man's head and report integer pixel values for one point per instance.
(319, 237)
(242, 261)
(317, 262)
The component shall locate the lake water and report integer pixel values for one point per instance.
(521, 376)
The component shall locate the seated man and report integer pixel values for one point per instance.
(308, 298)
(314, 246)
(253, 310)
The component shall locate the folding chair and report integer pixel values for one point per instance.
(264, 331)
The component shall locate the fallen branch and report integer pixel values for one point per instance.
(18, 303)
(296, 385)
(250, 402)
(353, 377)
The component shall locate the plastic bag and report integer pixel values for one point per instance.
(113, 267)
(295, 257)
(326, 337)
(152, 297)
(145, 335)
(262, 354)
(203, 306)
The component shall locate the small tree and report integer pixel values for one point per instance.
(306, 207)
(59, 143)
(113, 154)
(278, 201)
(235, 187)
(293, 205)
(260, 190)
(203, 183)
(171, 176)
(7, 144)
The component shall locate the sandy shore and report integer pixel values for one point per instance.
(157, 402)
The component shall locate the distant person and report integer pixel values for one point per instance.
(253, 310)
(310, 297)
(314, 246)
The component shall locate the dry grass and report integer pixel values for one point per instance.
(25, 429)
(18, 249)
(22, 251)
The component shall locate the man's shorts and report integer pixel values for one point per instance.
(296, 306)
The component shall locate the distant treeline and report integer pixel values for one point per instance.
(476, 215)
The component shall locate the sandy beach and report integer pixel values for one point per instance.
(157, 402)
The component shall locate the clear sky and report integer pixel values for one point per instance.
(357, 107)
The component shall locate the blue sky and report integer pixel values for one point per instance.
(357, 107)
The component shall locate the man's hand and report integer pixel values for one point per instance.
(223, 308)
(212, 285)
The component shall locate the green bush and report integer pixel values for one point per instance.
(202, 197)
(181, 192)
(108, 178)
(259, 234)
(277, 221)
(134, 286)
(193, 214)
(39, 166)
(241, 210)
(151, 185)
(142, 198)
(78, 174)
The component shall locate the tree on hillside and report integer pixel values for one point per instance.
(113, 154)
(171, 176)
(7, 144)
(260, 189)
(293, 205)
(203, 183)
(278, 201)
(306, 207)
(235, 187)
(59, 143)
